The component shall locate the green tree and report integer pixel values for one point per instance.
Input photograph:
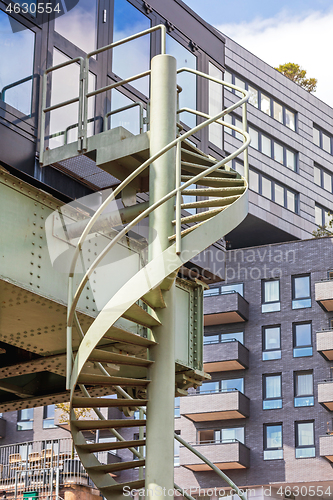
(298, 75)
(325, 230)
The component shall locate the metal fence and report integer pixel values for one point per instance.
(40, 466)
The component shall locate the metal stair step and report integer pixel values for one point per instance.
(117, 445)
(107, 468)
(91, 425)
(97, 355)
(187, 145)
(140, 316)
(104, 380)
(186, 231)
(132, 485)
(123, 336)
(154, 298)
(212, 202)
(226, 191)
(215, 181)
(194, 157)
(81, 402)
(195, 169)
(200, 216)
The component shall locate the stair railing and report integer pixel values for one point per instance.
(73, 299)
(84, 95)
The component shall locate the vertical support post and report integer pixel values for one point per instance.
(161, 391)
(69, 350)
(42, 120)
(178, 200)
(246, 154)
(141, 436)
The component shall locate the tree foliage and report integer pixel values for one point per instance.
(65, 412)
(298, 75)
(325, 230)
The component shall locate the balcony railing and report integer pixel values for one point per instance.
(325, 394)
(223, 405)
(225, 356)
(43, 466)
(226, 308)
(326, 446)
(324, 294)
(325, 343)
(231, 454)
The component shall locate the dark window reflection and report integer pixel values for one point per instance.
(79, 25)
(188, 97)
(133, 57)
(16, 64)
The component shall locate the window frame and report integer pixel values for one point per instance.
(297, 374)
(280, 448)
(271, 102)
(24, 420)
(294, 299)
(299, 447)
(264, 302)
(295, 346)
(321, 132)
(264, 349)
(278, 399)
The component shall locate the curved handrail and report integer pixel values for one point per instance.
(72, 302)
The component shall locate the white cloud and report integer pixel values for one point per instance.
(304, 39)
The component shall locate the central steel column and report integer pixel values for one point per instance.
(161, 390)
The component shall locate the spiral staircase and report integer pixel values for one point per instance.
(115, 357)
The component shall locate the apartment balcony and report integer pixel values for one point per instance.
(325, 344)
(229, 455)
(324, 294)
(326, 446)
(225, 356)
(225, 308)
(216, 406)
(325, 394)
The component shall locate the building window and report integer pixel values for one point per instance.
(224, 436)
(17, 43)
(188, 97)
(212, 292)
(215, 92)
(322, 139)
(273, 442)
(224, 289)
(228, 385)
(263, 102)
(79, 25)
(264, 144)
(233, 288)
(301, 291)
(209, 387)
(48, 417)
(232, 337)
(322, 215)
(177, 407)
(270, 295)
(224, 337)
(303, 389)
(25, 419)
(322, 178)
(302, 340)
(271, 343)
(234, 384)
(211, 339)
(272, 392)
(304, 433)
(273, 191)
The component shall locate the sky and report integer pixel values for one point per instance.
(279, 31)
